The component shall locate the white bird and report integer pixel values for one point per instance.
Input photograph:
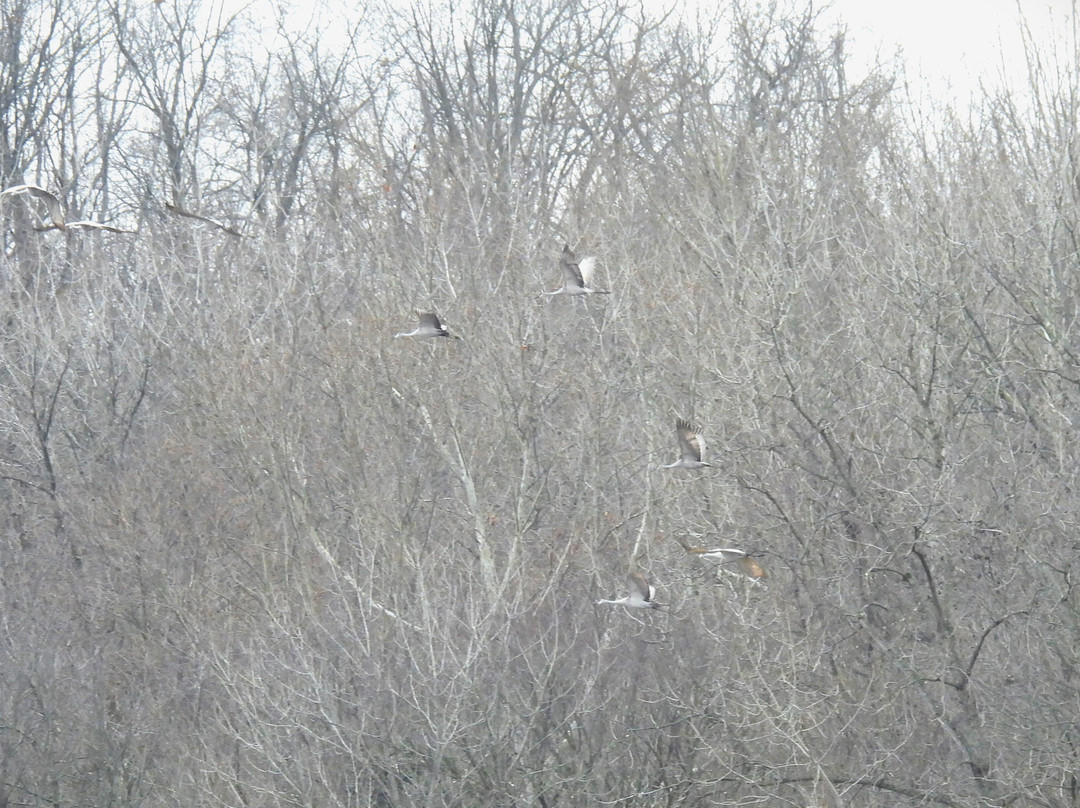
(746, 563)
(641, 594)
(56, 210)
(691, 448)
(578, 275)
(429, 326)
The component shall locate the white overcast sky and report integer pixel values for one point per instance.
(947, 46)
(951, 45)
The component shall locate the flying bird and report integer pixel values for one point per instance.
(429, 326)
(86, 225)
(97, 226)
(56, 210)
(746, 564)
(187, 214)
(641, 594)
(691, 447)
(578, 275)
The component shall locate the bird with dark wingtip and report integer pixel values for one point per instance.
(578, 275)
(429, 326)
(691, 447)
(641, 594)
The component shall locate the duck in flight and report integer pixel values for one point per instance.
(744, 562)
(691, 447)
(429, 326)
(578, 275)
(640, 596)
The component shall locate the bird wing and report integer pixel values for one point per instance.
(573, 272)
(727, 554)
(199, 217)
(99, 226)
(691, 444)
(429, 319)
(639, 587)
(35, 191)
(686, 546)
(56, 212)
(691, 549)
(586, 268)
(749, 566)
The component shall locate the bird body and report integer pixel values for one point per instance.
(691, 448)
(429, 326)
(640, 595)
(578, 275)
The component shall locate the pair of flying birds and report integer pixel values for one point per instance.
(578, 282)
(641, 594)
(58, 216)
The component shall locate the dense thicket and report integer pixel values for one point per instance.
(257, 552)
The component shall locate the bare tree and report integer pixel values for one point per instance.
(255, 550)
(173, 59)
